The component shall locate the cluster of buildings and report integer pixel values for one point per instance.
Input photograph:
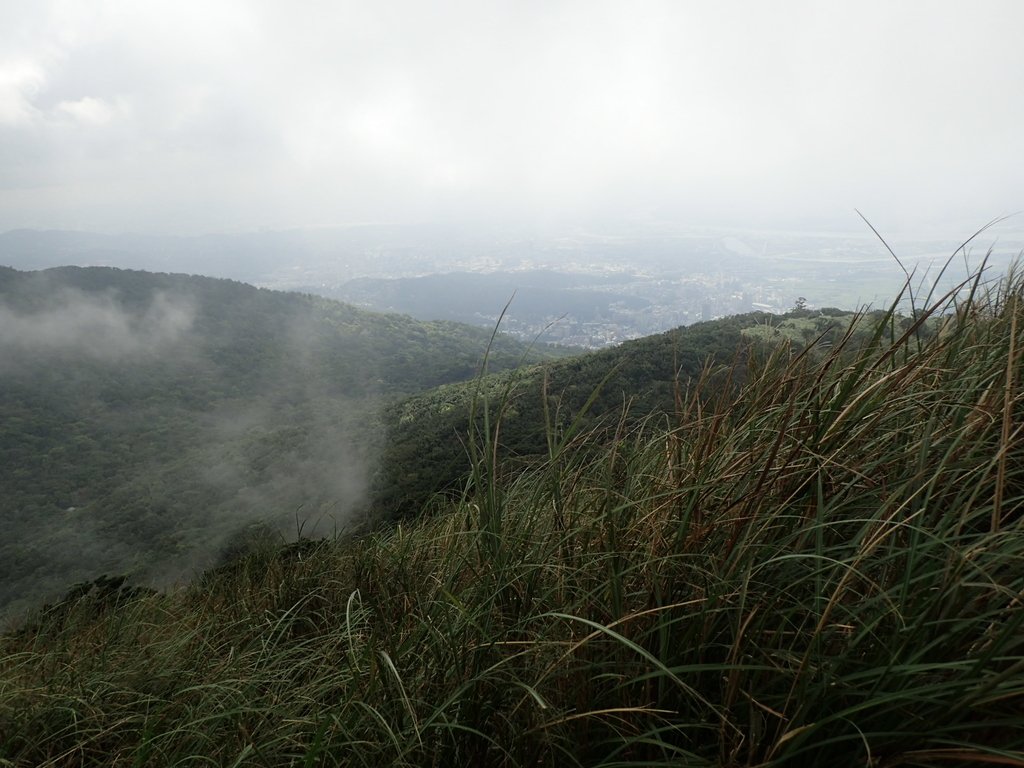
(672, 303)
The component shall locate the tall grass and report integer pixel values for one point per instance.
(817, 559)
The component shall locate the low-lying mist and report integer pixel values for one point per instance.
(94, 326)
(145, 428)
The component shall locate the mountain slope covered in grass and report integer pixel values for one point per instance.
(821, 565)
(426, 452)
(145, 418)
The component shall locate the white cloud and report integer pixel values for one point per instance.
(272, 113)
(89, 110)
(20, 81)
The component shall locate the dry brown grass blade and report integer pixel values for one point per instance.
(1008, 398)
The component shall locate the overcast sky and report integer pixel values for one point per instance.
(226, 115)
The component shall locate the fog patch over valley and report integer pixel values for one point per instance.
(96, 326)
(149, 421)
(299, 471)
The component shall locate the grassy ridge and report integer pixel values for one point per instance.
(422, 455)
(823, 568)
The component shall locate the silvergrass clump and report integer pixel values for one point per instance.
(817, 559)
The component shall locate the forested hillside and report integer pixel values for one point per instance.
(146, 418)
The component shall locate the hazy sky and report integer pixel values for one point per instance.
(226, 115)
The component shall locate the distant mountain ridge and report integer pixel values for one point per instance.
(477, 298)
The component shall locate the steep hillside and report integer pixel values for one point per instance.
(146, 417)
(819, 566)
(426, 447)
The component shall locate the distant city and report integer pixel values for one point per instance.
(578, 288)
(594, 292)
